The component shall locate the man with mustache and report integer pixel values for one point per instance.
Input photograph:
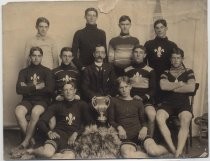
(98, 78)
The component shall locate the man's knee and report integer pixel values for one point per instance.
(185, 117)
(150, 112)
(37, 111)
(151, 147)
(20, 111)
(161, 117)
(127, 150)
(48, 150)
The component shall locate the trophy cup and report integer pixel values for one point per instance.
(101, 104)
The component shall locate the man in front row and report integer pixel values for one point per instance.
(176, 82)
(126, 114)
(36, 85)
(70, 116)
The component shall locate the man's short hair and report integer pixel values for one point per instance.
(140, 47)
(72, 83)
(91, 9)
(124, 18)
(65, 49)
(178, 51)
(35, 49)
(162, 21)
(122, 79)
(99, 45)
(42, 19)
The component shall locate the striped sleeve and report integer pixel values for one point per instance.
(190, 74)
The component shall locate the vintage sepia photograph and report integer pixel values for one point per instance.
(105, 79)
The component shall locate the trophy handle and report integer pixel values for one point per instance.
(94, 101)
(107, 100)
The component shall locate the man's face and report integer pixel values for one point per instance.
(69, 92)
(91, 17)
(160, 30)
(176, 60)
(42, 28)
(124, 89)
(99, 54)
(36, 57)
(125, 26)
(139, 55)
(66, 57)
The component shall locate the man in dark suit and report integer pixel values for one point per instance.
(98, 78)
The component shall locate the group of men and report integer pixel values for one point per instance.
(147, 82)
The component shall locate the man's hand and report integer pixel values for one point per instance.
(40, 85)
(142, 133)
(53, 135)
(137, 97)
(77, 97)
(23, 84)
(72, 138)
(121, 132)
(59, 98)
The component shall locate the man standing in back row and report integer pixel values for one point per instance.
(158, 53)
(86, 39)
(120, 47)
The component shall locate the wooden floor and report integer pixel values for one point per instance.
(12, 139)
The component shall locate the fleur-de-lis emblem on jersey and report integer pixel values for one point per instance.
(136, 77)
(66, 79)
(70, 119)
(159, 51)
(35, 78)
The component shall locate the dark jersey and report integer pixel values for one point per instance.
(158, 52)
(63, 74)
(127, 113)
(173, 97)
(70, 115)
(84, 43)
(28, 79)
(142, 80)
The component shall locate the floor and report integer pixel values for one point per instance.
(12, 139)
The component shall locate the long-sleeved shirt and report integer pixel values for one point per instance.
(30, 77)
(50, 53)
(127, 113)
(143, 80)
(70, 116)
(84, 43)
(158, 55)
(63, 74)
(177, 98)
(120, 52)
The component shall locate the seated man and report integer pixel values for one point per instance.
(36, 84)
(143, 84)
(70, 115)
(65, 73)
(176, 82)
(127, 116)
(98, 78)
